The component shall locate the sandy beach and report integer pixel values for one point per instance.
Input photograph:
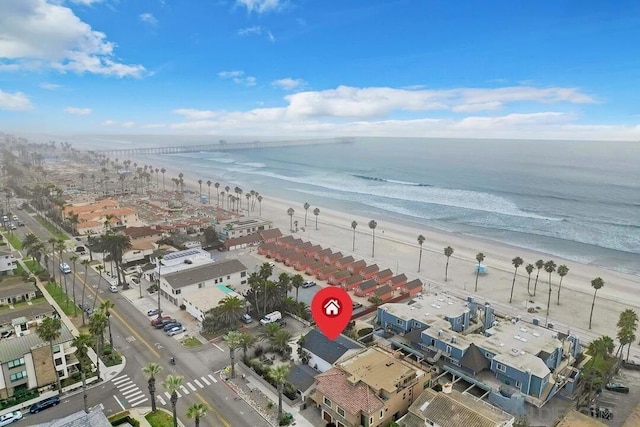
(396, 247)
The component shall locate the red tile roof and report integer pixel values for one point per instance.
(352, 398)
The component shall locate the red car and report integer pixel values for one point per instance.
(159, 320)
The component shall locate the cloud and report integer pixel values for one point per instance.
(258, 31)
(128, 124)
(86, 2)
(78, 111)
(16, 101)
(148, 18)
(153, 126)
(36, 34)
(109, 123)
(288, 83)
(261, 6)
(192, 114)
(238, 77)
(50, 86)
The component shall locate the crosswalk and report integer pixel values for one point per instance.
(134, 396)
(130, 391)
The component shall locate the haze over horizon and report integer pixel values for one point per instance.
(295, 68)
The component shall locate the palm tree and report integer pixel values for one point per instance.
(297, 281)
(60, 247)
(234, 342)
(49, 330)
(549, 267)
(82, 343)
(421, 240)
(529, 269)
(290, 212)
(106, 306)
(627, 326)
(209, 190)
(448, 251)
(230, 310)
(117, 244)
(539, 264)
(162, 171)
(306, 207)
(74, 259)
(172, 384)
(596, 284)
(479, 258)
(280, 341)
(152, 369)
(53, 241)
(85, 263)
(354, 224)
(270, 330)
(563, 270)
(196, 411)
(247, 341)
(316, 212)
(217, 185)
(372, 225)
(260, 204)
(36, 251)
(100, 269)
(200, 184)
(517, 262)
(279, 375)
(97, 324)
(284, 283)
(30, 240)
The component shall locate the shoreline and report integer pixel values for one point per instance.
(397, 248)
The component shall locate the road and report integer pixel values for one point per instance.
(140, 344)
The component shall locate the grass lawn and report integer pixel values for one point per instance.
(191, 342)
(51, 229)
(60, 297)
(159, 419)
(13, 239)
(33, 265)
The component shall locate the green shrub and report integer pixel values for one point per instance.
(364, 331)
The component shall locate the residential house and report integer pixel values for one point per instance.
(241, 242)
(17, 292)
(182, 260)
(312, 251)
(370, 388)
(24, 317)
(26, 362)
(292, 258)
(303, 378)
(91, 217)
(199, 301)
(321, 352)
(357, 266)
(314, 268)
(352, 282)
(320, 255)
(143, 243)
(286, 241)
(365, 288)
(7, 261)
(304, 247)
(95, 418)
(327, 271)
(384, 292)
(302, 263)
(412, 288)
(241, 227)
(382, 276)
(451, 408)
(144, 232)
(339, 277)
(344, 262)
(398, 281)
(271, 235)
(174, 286)
(332, 258)
(369, 271)
(265, 248)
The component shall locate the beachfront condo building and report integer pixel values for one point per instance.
(241, 227)
(514, 361)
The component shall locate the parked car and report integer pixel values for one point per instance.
(159, 320)
(15, 217)
(246, 318)
(272, 264)
(44, 404)
(171, 325)
(271, 317)
(113, 288)
(7, 419)
(20, 224)
(356, 305)
(617, 387)
(153, 312)
(309, 284)
(175, 331)
(164, 323)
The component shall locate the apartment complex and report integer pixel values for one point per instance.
(241, 227)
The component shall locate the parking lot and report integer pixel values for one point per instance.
(621, 404)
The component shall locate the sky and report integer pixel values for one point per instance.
(556, 69)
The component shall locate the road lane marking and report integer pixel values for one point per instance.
(128, 387)
(133, 405)
(118, 380)
(131, 394)
(138, 398)
(212, 378)
(214, 410)
(162, 402)
(198, 383)
(192, 387)
(184, 389)
(205, 380)
(219, 348)
(121, 405)
(166, 393)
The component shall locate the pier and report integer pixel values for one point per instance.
(221, 145)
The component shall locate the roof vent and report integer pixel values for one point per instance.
(515, 352)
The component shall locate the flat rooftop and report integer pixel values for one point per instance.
(428, 308)
(378, 369)
(207, 298)
(522, 336)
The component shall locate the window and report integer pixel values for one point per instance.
(327, 402)
(399, 321)
(16, 363)
(18, 376)
(370, 421)
(518, 384)
(228, 277)
(500, 367)
(243, 274)
(448, 349)
(381, 414)
(56, 348)
(489, 356)
(459, 320)
(200, 285)
(340, 411)
(58, 362)
(178, 291)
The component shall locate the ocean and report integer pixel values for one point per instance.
(579, 200)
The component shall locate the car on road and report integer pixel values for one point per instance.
(153, 312)
(9, 418)
(44, 404)
(309, 284)
(175, 331)
(64, 267)
(171, 325)
(246, 318)
(15, 217)
(113, 288)
(617, 387)
(13, 226)
(20, 224)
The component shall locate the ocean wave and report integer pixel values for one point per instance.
(392, 181)
(221, 160)
(252, 165)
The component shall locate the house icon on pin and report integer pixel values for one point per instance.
(332, 307)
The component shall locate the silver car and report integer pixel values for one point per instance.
(175, 331)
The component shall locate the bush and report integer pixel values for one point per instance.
(364, 331)
(122, 418)
(183, 307)
(258, 351)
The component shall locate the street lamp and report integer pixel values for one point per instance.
(159, 262)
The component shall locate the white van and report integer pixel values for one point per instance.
(271, 317)
(64, 267)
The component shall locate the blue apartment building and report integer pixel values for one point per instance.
(514, 361)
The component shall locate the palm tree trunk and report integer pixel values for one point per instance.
(559, 287)
(529, 283)
(280, 388)
(152, 392)
(66, 292)
(84, 286)
(446, 270)
(477, 274)
(354, 240)
(84, 390)
(98, 357)
(628, 350)
(174, 402)
(232, 355)
(373, 243)
(197, 421)
(513, 284)
(109, 325)
(75, 304)
(420, 259)
(297, 289)
(535, 285)
(593, 304)
(548, 307)
(58, 383)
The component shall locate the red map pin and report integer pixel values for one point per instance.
(331, 309)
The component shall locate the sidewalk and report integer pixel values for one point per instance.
(140, 412)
